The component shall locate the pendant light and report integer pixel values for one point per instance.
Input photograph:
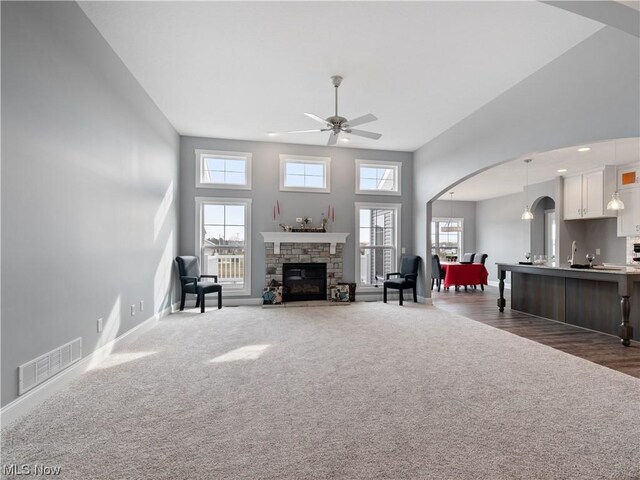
(615, 203)
(527, 215)
(450, 226)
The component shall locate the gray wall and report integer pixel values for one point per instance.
(590, 93)
(266, 190)
(466, 210)
(502, 234)
(89, 188)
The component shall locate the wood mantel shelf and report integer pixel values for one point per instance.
(304, 237)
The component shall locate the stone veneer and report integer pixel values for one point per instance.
(304, 253)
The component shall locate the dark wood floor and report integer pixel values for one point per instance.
(596, 347)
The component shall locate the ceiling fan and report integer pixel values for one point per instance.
(337, 124)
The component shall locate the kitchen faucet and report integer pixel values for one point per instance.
(574, 249)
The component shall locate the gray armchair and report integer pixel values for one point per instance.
(406, 278)
(189, 270)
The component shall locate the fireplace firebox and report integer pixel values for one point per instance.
(304, 281)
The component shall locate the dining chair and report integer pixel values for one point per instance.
(480, 258)
(437, 272)
(467, 258)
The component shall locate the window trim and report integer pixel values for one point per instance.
(397, 166)
(246, 202)
(246, 156)
(445, 220)
(326, 161)
(397, 227)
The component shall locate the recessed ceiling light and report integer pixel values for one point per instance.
(272, 134)
(345, 139)
(561, 170)
(584, 149)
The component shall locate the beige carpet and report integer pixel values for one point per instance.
(368, 391)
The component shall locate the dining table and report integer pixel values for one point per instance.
(463, 274)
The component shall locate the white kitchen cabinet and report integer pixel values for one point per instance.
(629, 218)
(586, 195)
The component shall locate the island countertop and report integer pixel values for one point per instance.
(596, 269)
(596, 298)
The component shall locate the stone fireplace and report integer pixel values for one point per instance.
(302, 249)
(304, 281)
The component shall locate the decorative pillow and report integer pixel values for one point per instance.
(340, 293)
(272, 296)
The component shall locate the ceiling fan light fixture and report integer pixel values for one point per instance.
(337, 124)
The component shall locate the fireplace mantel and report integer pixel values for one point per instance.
(304, 237)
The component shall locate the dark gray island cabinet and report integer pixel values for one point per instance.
(605, 300)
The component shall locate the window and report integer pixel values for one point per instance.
(446, 237)
(304, 174)
(378, 232)
(223, 169)
(378, 178)
(223, 241)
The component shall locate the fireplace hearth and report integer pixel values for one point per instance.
(304, 281)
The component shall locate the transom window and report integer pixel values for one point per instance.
(224, 228)
(377, 231)
(223, 169)
(304, 174)
(378, 178)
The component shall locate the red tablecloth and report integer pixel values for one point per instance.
(464, 274)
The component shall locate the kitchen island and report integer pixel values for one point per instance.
(602, 299)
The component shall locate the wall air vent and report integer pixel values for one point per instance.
(36, 371)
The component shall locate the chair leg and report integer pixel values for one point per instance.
(465, 288)
(384, 294)
(432, 282)
(482, 287)
(202, 303)
(415, 295)
(401, 299)
(197, 300)
(182, 301)
(439, 284)
(219, 300)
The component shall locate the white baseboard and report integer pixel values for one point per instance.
(25, 403)
(494, 283)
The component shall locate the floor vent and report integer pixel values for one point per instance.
(36, 371)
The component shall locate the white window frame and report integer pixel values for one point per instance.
(445, 220)
(246, 156)
(398, 225)
(396, 166)
(325, 161)
(246, 202)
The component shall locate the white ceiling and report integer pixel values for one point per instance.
(510, 177)
(239, 69)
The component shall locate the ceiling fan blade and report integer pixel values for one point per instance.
(333, 139)
(362, 133)
(307, 131)
(317, 118)
(369, 117)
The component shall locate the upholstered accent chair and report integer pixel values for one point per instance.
(437, 272)
(406, 278)
(190, 282)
